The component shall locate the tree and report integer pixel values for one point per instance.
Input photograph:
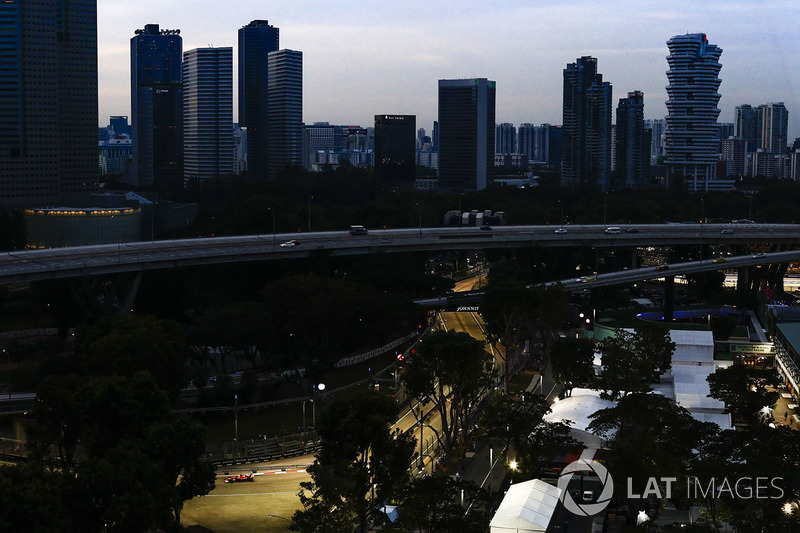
(451, 369)
(434, 503)
(649, 436)
(572, 362)
(361, 463)
(632, 359)
(745, 390)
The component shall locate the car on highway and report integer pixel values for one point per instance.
(726, 232)
(587, 279)
(720, 260)
(760, 254)
(561, 230)
(358, 230)
(240, 478)
(661, 268)
(290, 244)
(486, 227)
(632, 230)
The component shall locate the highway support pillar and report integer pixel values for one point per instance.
(669, 298)
(743, 281)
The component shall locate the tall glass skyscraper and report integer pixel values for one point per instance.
(157, 108)
(395, 147)
(586, 157)
(691, 143)
(632, 143)
(466, 133)
(256, 41)
(284, 110)
(48, 101)
(207, 114)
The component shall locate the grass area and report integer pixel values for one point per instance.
(242, 513)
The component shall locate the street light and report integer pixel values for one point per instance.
(561, 207)
(236, 417)
(320, 387)
(273, 226)
(281, 517)
(309, 213)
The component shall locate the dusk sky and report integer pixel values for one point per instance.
(363, 59)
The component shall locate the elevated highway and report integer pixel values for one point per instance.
(61, 263)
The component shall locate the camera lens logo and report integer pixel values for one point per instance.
(585, 508)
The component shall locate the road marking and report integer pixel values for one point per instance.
(250, 494)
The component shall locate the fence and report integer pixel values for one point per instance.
(265, 449)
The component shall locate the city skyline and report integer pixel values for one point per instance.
(385, 58)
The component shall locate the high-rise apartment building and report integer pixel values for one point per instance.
(505, 139)
(586, 156)
(747, 126)
(256, 41)
(395, 153)
(657, 127)
(525, 140)
(207, 114)
(632, 143)
(48, 101)
(774, 119)
(692, 147)
(284, 110)
(119, 123)
(157, 108)
(466, 133)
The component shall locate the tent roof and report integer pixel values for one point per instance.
(578, 407)
(527, 506)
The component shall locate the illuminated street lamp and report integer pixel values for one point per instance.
(320, 387)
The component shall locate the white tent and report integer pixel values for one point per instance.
(527, 507)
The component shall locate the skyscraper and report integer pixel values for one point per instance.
(394, 147)
(505, 138)
(284, 110)
(774, 124)
(207, 114)
(657, 127)
(747, 126)
(157, 108)
(256, 41)
(525, 140)
(48, 101)
(632, 143)
(691, 137)
(586, 157)
(466, 133)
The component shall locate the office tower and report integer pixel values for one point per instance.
(256, 41)
(555, 145)
(632, 143)
(525, 140)
(48, 101)
(207, 114)
(691, 136)
(466, 133)
(586, 157)
(435, 138)
(284, 110)
(239, 149)
(420, 137)
(157, 108)
(657, 128)
(774, 122)
(505, 136)
(120, 125)
(395, 153)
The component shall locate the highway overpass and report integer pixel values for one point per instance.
(58, 263)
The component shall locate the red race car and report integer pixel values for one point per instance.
(240, 477)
